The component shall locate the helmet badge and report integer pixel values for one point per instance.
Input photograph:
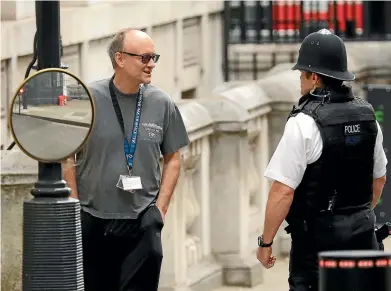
(324, 31)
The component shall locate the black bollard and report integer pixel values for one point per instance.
(354, 271)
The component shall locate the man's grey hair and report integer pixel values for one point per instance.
(116, 45)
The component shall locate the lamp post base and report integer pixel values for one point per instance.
(52, 247)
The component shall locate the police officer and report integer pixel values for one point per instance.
(328, 170)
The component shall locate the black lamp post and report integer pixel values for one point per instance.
(52, 249)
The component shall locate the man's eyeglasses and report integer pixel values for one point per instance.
(145, 58)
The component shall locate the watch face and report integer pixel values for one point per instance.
(260, 241)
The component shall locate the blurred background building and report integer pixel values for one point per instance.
(227, 65)
(202, 43)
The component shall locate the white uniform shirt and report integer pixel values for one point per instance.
(301, 145)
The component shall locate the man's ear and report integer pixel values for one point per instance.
(119, 60)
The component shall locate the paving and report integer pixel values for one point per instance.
(47, 140)
(75, 111)
(275, 279)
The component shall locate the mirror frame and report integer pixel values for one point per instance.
(93, 108)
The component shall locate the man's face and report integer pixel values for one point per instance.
(137, 59)
(307, 81)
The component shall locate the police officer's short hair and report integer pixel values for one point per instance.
(331, 82)
(328, 81)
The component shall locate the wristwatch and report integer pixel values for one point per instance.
(262, 244)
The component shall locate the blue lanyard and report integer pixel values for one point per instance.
(129, 145)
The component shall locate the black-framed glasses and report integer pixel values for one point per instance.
(145, 58)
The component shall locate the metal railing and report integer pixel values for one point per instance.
(284, 22)
(290, 21)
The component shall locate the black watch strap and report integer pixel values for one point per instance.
(262, 244)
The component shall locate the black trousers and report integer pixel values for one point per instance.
(122, 255)
(334, 232)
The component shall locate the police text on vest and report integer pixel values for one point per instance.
(355, 128)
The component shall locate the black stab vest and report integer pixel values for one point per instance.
(344, 171)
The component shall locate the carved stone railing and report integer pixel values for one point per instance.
(239, 156)
(188, 259)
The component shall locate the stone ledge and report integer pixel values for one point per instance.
(197, 119)
(207, 275)
(282, 87)
(16, 162)
(244, 272)
(18, 179)
(226, 115)
(231, 106)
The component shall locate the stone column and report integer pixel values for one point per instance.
(202, 225)
(205, 27)
(179, 60)
(229, 197)
(184, 210)
(149, 30)
(263, 144)
(174, 268)
(83, 61)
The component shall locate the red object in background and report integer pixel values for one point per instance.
(280, 21)
(290, 17)
(358, 16)
(281, 8)
(331, 15)
(61, 100)
(349, 10)
(323, 12)
(275, 16)
(341, 16)
(287, 15)
(297, 11)
(307, 12)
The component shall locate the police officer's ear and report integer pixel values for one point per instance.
(316, 80)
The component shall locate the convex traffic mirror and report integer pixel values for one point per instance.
(51, 115)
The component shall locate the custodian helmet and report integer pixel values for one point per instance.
(324, 53)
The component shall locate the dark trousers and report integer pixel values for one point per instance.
(336, 232)
(122, 255)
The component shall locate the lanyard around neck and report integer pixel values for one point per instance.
(129, 145)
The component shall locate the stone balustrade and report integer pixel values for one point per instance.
(218, 207)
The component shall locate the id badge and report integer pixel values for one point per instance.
(129, 183)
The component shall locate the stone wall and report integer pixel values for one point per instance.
(365, 58)
(18, 173)
(218, 206)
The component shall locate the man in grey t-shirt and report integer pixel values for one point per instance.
(121, 229)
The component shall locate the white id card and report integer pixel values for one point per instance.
(129, 183)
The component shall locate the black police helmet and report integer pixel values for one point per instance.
(324, 53)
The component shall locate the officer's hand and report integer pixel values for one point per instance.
(264, 255)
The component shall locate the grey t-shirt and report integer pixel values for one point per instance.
(102, 160)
